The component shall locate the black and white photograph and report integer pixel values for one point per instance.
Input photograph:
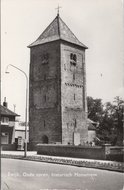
(62, 94)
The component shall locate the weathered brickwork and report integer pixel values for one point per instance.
(45, 115)
(73, 95)
(57, 97)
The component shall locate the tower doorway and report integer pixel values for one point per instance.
(45, 139)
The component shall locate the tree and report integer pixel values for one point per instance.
(110, 118)
(106, 128)
(95, 108)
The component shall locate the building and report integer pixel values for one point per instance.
(12, 130)
(91, 130)
(57, 91)
(20, 131)
(8, 120)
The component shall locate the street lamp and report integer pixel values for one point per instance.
(25, 152)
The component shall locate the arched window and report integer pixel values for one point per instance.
(45, 58)
(74, 96)
(71, 56)
(73, 59)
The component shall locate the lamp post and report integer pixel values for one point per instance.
(25, 152)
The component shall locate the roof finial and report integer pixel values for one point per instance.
(58, 10)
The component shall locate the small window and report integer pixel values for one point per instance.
(64, 67)
(71, 56)
(45, 58)
(74, 96)
(73, 59)
(4, 119)
(75, 123)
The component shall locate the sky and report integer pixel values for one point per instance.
(96, 23)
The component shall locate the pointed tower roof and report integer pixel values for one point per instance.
(57, 30)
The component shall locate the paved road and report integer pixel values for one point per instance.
(30, 175)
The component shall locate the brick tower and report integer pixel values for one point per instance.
(57, 90)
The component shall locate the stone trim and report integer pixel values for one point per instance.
(74, 85)
(105, 165)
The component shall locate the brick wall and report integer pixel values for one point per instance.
(73, 92)
(9, 147)
(57, 97)
(45, 116)
(72, 151)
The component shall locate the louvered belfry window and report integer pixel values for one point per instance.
(45, 58)
(73, 59)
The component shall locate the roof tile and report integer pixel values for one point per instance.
(6, 111)
(57, 30)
